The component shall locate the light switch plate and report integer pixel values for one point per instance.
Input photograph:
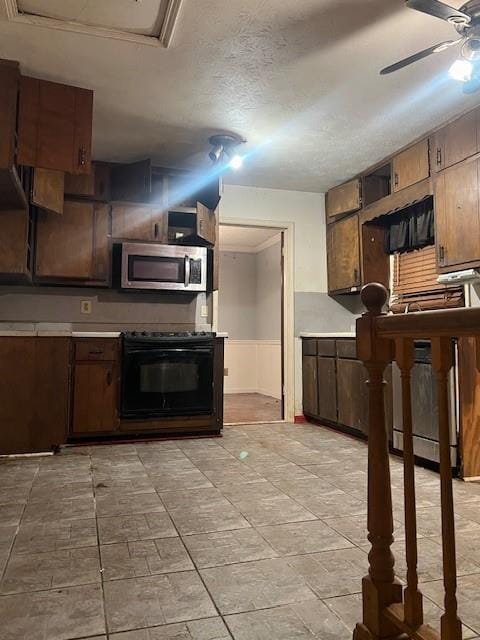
(204, 311)
(86, 306)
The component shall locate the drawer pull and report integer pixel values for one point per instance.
(95, 352)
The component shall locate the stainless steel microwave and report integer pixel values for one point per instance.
(163, 267)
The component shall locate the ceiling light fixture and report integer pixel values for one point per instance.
(223, 150)
(461, 70)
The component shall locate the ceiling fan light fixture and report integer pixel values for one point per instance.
(223, 150)
(461, 70)
(236, 162)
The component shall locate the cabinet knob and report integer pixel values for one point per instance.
(82, 156)
(441, 253)
(109, 377)
(439, 156)
(396, 179)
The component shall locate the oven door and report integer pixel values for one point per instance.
(164, 267)
(171, 380)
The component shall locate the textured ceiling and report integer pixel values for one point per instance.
(298, 78)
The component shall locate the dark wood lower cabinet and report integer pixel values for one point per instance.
(310, 385)
(95, 397)
(327, 388)
(352, 394)
(335, 389)
(34, 385)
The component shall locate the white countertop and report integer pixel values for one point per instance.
(25, 330)
(328, 335)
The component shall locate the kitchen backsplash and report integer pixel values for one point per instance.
(110, 310)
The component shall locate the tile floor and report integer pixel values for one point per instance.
(240, 408)
(258, 535)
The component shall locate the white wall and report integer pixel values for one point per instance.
(254, 366)
(314, 310)
(237, 299)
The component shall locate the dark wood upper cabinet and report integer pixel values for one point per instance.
(94, 185)
(139, 222)
(411, 166)
(15, 249)
(457, 141)
(343, 255)
(75, 246)
(12, 195)
(457, 216)
(54, 126)
(206, 224)
(345, 198)
(48, 189)
(132, 182)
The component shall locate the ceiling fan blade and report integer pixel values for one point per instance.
(436, 48)
(439, 10)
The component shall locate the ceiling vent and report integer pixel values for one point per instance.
(150, 22)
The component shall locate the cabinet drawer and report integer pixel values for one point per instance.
(326, 347)
(96, 349)
(309, 346)
(347, 349)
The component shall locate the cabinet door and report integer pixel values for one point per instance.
(352, 394)
(54, 126)
(14, 243)
(48, 189)
(457, 141)
(132, 182)
(327, 388)
(206, 224)
(375, 262)
(66, 244)
(94, 185)
(95, 393)
(137, 222)
(344, 199)
(343, 255)
(9, 78)
(310, 385)
(411, 166)
(457, 220)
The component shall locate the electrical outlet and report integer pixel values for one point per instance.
(86, 306)
(225, 371)
(204, 311)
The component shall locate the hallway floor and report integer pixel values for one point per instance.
(258, 535)
(241, 408)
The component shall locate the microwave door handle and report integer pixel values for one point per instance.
(187, 271)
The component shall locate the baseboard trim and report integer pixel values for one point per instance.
(300, 419)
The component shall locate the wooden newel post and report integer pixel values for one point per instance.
(380, 588)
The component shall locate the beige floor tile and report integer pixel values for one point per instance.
(468, 595)
(10, 514)
(308, 621)
(52, 536)
(218, 517)
(174, 481)
(124, 486)
(228, 547)
(155, 600)
(121, 505)
(255, 585)
(193, 498)
(55, 510)
(50, 570)
(144, 558)
(332, 573)
(278, 510)
(68, 491)
(303, 537)
(59, 614)
(135, 527)
(209, 629)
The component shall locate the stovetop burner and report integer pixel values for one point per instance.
(167, 334)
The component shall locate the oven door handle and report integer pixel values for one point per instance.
(187, 271)
(167, 351)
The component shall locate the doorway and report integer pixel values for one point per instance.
(251, 311)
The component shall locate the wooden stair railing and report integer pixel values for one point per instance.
(391, 611)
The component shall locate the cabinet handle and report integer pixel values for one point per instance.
(396, 179)
(82, 156)
(441, 253)
(355, 275)
(439, 156)
(156, 230)
(109, 377)
(94, 352)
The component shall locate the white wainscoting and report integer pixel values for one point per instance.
(254, 366)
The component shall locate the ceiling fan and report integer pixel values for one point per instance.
(466, 22)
